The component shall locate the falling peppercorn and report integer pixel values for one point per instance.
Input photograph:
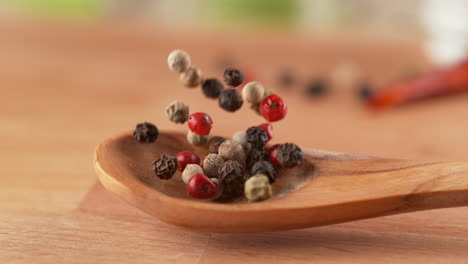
(257, 137)
(177, 112)
(230, 100)
(192, 77)
(212, 88)
(233, 77)
(231, 175)
(265, 168)
(165, 166)
(178, 61)
(316, 88)
(214, 144)
(289, 155)
(146, 132)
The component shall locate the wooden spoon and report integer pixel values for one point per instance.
(327, 188)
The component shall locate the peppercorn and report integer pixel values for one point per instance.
(165, 166)
(256, 106)
(365, 91)
(230, 100)
(252, 92)
(272, 155)
(178, 61)
(186, 157)
(289, 155)
(255, 155)
(231, 150)
(233, 77)
(256, 136)
(268, 129)
(212, 88)
(286, 79)
(214, 144)
(192, 77)
(240, 136)
(231, 175)
(257, 188)
(200, 123)
(195, 139)
(177, 112)
(316, 88)
(146, 132)
(273, 108)
(190, 170)
(201, 187)
(211, 164)
(265, 168)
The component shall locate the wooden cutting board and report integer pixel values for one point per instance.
(66, 88)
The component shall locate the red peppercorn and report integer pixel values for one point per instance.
(272, 155)
(268, 129)
(186, 157)
(273, 108)
(201, 187)
(200, 123)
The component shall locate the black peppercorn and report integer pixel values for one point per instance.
(213, 144)
(316, 88)
(289, 155)
(230, 100)
(286, 79)
(233, 77)
(212, 88)
(364, 91)
(146, 132)
(165, 166)
(265, 168)
(231, 176)
(256, 154)
(256, 136)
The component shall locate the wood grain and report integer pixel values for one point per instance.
(67, 88)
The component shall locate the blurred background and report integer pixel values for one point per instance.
(73, 72)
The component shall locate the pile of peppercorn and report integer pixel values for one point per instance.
(236, 166)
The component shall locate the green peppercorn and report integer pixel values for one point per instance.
(177, 112)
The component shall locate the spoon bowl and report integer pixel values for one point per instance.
(327, 188)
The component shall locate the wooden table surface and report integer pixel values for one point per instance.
(66, 88)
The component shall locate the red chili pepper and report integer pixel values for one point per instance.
(438, 82)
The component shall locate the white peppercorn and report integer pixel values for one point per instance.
(257, 188)
(195, 139)
(240, 136)
(211, 164)
(253, 92)
(190, 170)
(192, 77)
(231, 150)
(178, 61)
(177, 112)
